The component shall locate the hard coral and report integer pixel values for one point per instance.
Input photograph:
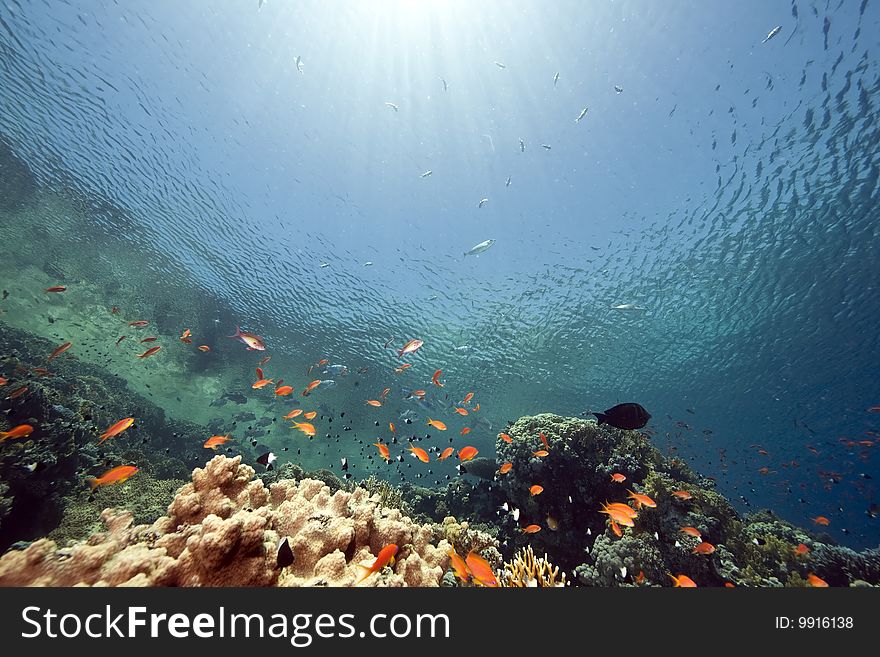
(222, 530)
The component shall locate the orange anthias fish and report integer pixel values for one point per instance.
(139, 323)
(253, 342)
(59, 350)
(116, 429)
(536, 490)
(619, 515)
(436, 378)
(505, 468)
(294, 413)
(642, 500)
(204, 347)
(392, 427)
(459, 565)
(386, 556)
(467, 453)
(541, 453)
(475, 408)
(3, 381)
(149, 352)
(151, 338)
(56, 288)
(260, 374)
(419, 394)
(465, 431)
(531, 529)
(310, 415)
(374, 402)
(801, 550)
(419, 453)
(312, 385)
(616, 529)
(481, 570)
(261, 383)
(18, 392)
(305, 427)
(704, 548)
(117, 475)
(402, 368)
(821, 520)
(618, 478)
(21, 431)
(467, 398)
(816, 581)
(544, 440)
(505, 437)
(437, 424)
(384, 393)
(682, 494)
(693, 531)
(461, 411)
(264, 360)
(383, 451)
(283, 391)
(185, 336)
(215, 441)
(445, 454)
(410, 347)
(683, 581)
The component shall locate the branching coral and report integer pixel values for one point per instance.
(223, 530)
(528, 571)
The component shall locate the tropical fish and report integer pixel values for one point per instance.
(116, 429)
(485, 245)
(458, 565)
(704, 548)
(185, 336)
(151, 338)
(475, 408)
(262, 383)
(18, 392)
(215, 441)
(294, 413)
(310, 415)
(385, 392)
(400, 370)
(461, 411)
(467, 453)
(138, 323)
(541, 453)
(682, 494)
(692, 531)
(149, 352)
(552, 523)
(312, 385)
(21, 431)
(505, 468)
(437, 424)
(618, 515)
(445, 454)
(481, 570)
(305, 427)
(3, 381)
(204, 347)
(801, 550)
(436, 378)
(642, 500)
(624, 416)
(531, 529)
(253, 342)
(283, 391)
(116, 475)
(58, 351)
(536, 490)
(260, 374)
(419, 453)
(616, 529)
(374, 402)
(56, 288)
(683, 581)
(505, 437)
(383, 451)
(392, 427)
(465, 431)
(467, 398)
(816, 581)
(410, 347)
(618, 478)
(385, 557)
(821, 520)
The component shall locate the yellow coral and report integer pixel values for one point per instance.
(527, 571)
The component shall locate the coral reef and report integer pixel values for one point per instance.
(222, 529)
(525, 570)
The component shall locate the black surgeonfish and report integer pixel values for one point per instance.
(625, 416)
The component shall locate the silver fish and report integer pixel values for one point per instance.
(500, 65)
(581, 115)
(427, 173)
(480, 248)
(618, 89)
(299, 64)
(392, 106)
(444, 84)
(772, 33)
(546, 146)
(555, 79)
(482, 202)
(522, 146)
(626, 306)
(507, 184)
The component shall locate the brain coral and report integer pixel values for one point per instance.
(223, 529)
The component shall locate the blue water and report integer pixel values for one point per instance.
(729, 192)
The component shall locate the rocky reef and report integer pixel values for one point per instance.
(223, 529)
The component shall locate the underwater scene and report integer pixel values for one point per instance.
(440, 293)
